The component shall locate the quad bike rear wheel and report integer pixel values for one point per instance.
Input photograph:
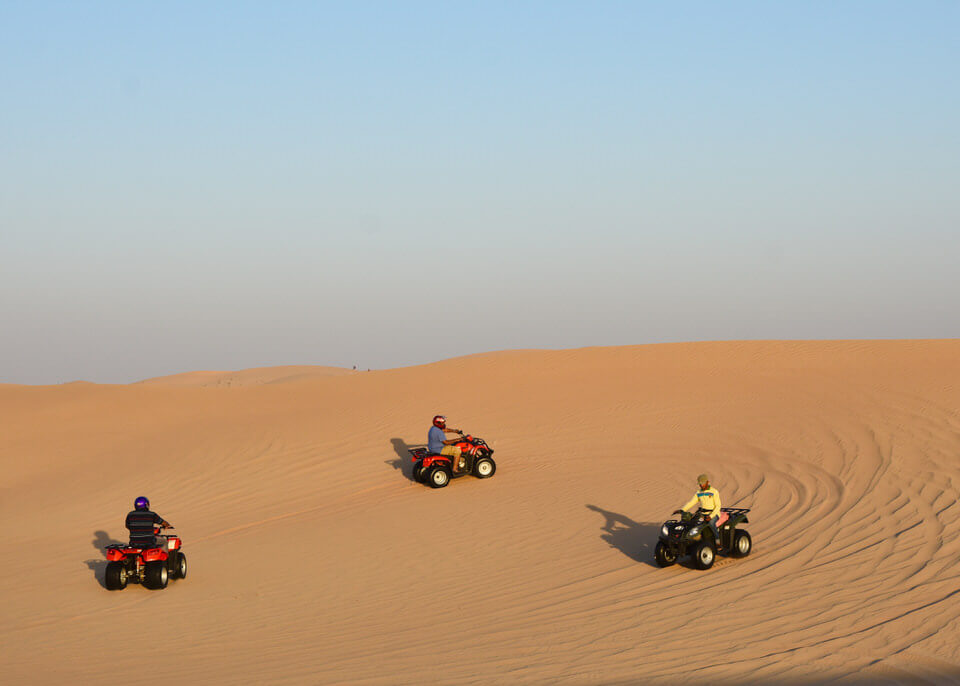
(115, 578)
(484, 468)
(439, 476)
(418, 473)
(156, 575)
(742, 544)
(704, 555)
(178, 565)
(663, 555)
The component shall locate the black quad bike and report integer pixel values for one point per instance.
(436, 471)
(691, 535)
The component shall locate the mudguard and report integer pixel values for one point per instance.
(154, 555)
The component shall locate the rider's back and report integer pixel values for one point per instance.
(142, 525)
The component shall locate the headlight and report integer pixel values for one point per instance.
(664, 530)
(694, 531)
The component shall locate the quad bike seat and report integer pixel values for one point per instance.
(141, 544)
(722, 519)
(124, 547)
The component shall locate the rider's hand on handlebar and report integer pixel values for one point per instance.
(678, 512)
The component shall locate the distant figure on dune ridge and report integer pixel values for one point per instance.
(437, 441)
(709, 500)
(143, 524)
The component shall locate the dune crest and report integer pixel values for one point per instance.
(314, 557)
(256, 376)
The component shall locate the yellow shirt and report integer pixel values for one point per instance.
(709, 500)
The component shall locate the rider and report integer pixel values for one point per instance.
(709, 500)
(143, 524)
(437, 441)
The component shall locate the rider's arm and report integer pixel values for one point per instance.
(453, 431)
(693, 501)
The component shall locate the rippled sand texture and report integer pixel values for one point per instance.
(315, 559)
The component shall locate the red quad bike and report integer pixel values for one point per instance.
(436, 470)
(153, 567)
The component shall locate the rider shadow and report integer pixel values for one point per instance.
(633, 539)
(402, 461)
(99, 566)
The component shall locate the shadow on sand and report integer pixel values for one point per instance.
(402, 461)
(636, 540)
(101, 539)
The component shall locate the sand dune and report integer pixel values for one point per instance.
(248, 377)
(315, 559)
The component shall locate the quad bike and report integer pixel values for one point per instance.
(151, 566)
(692, 535)
(436, 470)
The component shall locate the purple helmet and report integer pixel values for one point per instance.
(141, 503)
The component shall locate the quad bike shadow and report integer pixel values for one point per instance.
(101, 539)
(629, 537)
(402, 461)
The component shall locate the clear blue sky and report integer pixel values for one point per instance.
(224, 185)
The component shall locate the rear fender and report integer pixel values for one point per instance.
(114, 555)
(154, 555)
(444, 460)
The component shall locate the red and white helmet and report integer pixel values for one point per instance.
(440, 421)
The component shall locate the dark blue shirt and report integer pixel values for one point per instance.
(142, 524)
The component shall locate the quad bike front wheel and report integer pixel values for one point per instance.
(115, 578)
(704, 555)
(439, 477)
(484, 468)
(742, 544)
(156, 575)
(664, 555)
(178, 565)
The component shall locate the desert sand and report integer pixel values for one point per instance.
(315, 559)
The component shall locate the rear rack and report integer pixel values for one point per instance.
(734, 511)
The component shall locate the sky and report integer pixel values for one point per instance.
(190, 186)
